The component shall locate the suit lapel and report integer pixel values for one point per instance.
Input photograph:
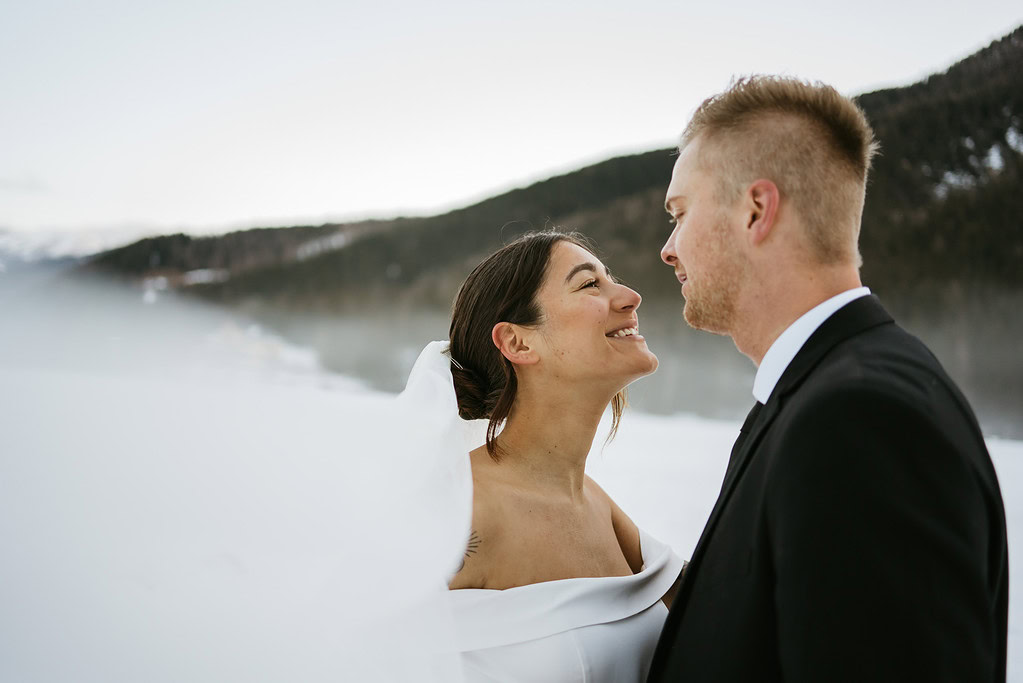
(853, 318)
(745, 445)
(752, 429)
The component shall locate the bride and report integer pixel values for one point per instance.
(556, 583)
(175, 508)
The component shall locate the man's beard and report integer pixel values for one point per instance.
(711, 301)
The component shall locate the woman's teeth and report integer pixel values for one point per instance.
(627, 332)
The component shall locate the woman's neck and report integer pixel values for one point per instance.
(546, 439)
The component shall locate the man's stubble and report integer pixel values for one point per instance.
(711, 300)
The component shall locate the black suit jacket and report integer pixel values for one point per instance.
(859, 534)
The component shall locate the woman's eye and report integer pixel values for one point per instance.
(591, 283)
(675, 219)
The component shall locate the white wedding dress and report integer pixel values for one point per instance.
(585, 630)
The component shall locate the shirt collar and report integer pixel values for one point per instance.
(787, 345)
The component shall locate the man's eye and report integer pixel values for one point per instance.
(675, 219)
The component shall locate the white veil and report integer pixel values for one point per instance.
(430, 506)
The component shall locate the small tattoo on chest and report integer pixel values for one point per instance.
(470, 548)
(473, 545)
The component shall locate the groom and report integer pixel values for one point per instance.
(859, 534)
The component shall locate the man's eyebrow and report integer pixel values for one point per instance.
(584, 266)
(668, 201)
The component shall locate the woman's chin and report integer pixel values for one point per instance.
(641, 371)
(639, 350)
(652, 364)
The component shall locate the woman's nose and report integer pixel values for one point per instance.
(629, 299)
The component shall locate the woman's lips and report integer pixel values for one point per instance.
(624, 332)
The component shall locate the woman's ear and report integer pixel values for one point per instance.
(513, 343)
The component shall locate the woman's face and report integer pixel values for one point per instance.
(590, 328)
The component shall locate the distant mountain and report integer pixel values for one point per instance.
(944, 204)
(232, 255)
(48, 245)
(418, 257)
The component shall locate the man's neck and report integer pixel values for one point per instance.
(778, 302)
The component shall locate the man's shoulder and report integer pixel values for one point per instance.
(882, 379)
(887, 360)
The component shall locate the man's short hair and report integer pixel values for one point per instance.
(807, 138)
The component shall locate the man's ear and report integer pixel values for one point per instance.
(511, 340)
(762, 198)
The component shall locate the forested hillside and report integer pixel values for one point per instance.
(944, 205)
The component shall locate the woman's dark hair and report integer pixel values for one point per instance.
(502, 288)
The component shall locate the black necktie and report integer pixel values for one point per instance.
(744, 431)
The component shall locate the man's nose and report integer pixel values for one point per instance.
(668, 254)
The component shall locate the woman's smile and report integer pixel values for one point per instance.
(630, 333)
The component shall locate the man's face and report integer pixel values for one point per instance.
(704, 248)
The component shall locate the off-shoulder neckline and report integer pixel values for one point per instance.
(488, 617)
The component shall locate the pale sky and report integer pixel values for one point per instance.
(216, 114)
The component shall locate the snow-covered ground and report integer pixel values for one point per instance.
(208, 504)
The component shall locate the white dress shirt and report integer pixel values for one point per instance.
(788, 343)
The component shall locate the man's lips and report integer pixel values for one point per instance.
(682, 277)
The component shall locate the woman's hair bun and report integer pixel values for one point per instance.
(471, 394)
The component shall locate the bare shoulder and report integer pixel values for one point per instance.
(625, 529)
(597, 489)
(618, 517)
(484, 533)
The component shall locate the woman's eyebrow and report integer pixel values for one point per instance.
(584, 266)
